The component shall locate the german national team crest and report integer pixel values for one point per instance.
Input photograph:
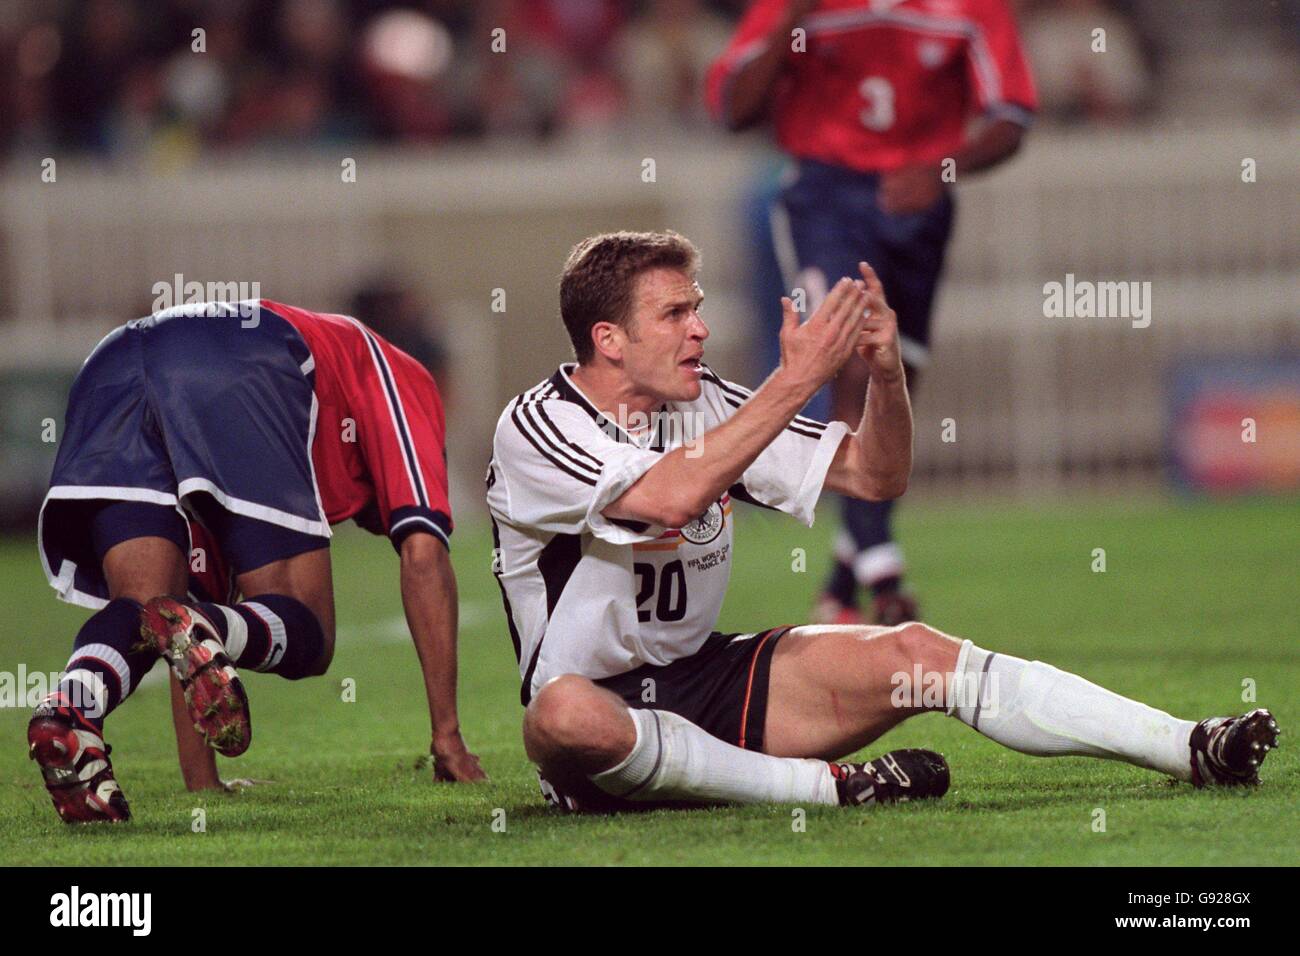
(706, 527)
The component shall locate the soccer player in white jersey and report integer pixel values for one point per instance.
(611, 489)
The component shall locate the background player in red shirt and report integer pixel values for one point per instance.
(872, 100)
(239, 433)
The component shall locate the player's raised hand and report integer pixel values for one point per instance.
(877, 342)
(813, 352)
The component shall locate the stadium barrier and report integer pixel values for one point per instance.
(1016, 398)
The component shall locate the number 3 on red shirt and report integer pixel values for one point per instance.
(879, 95)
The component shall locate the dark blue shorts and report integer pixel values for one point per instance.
(828, 219)
(211, 416)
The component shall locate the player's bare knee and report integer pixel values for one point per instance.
(570, 717)
(553, 720)
(918, 643)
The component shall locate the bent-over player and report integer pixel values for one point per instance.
(243, 430)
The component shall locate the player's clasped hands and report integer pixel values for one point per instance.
(878, 341)
(813, 351)
(853, 316)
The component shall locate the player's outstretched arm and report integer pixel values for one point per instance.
(198, 762)
(916, 188)
(429, 599)
(752, 86)
(875, 462)
(682, 486)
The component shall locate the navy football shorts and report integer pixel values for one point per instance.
(828, 218)
(209, 417)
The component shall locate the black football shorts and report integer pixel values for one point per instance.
(721, 688)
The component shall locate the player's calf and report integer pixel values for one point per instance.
(272, 633)
(1039, 709)
(65, 735)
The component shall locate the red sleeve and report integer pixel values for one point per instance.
(402, 436)
(997, 67)
(749, 41)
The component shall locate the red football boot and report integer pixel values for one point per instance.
(187, 641)
(890, 608)
(74, 761)
(829, 610)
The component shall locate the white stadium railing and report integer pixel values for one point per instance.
(1037, 402)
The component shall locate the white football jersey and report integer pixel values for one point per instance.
(586, 594)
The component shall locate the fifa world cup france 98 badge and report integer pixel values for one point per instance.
(706, 527)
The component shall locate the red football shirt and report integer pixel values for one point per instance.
(882, 84)
(379, 450)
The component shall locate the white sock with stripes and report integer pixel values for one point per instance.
(673, 759)
(104, 667)
(1037, 709)
(83, 679)
(254, 636)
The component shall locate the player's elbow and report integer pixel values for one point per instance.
(1014, 143)
(737, 122)
(672, 515)
(666, 503)
(423, 555)
(737, 119)
(1012, 138)
(739, 108)
(882, 487)
(676, 510)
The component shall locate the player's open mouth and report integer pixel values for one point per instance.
(693, 365)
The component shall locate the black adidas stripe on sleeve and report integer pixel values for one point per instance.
(735, 396)
(577, 452)
(521, 416)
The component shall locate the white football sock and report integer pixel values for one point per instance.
(1037, 709)
(673, 759)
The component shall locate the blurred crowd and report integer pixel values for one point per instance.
(121, 77)
(113, 76)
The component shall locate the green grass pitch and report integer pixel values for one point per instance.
(1195, 600)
